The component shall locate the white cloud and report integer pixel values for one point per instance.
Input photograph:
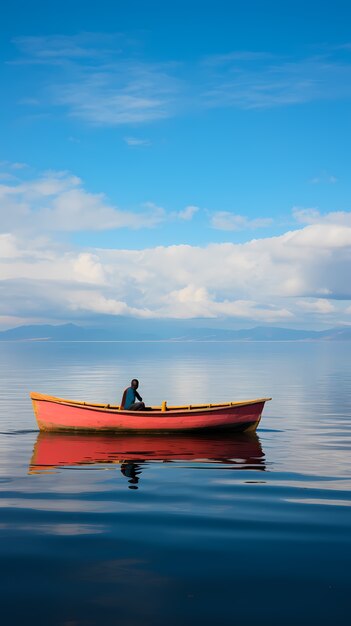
(136, 141)
(13, 166)
(274, 81)
(224, 220)
(98, 303)
(324, 178)
(19, 166)
(106, 100)
(77, 209)
(193, 301)
(51, 49)
(302, 274)
(324, 236)
(87, 268)
(188, 212)
(321, 306)
(313, 216)
(8, 246)
(57, 201)
(306, 216)
(269, 280)
(99, 79)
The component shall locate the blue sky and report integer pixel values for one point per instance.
(222, 126)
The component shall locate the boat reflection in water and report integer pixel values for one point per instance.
(133, 452)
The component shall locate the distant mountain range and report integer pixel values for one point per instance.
(165, 330)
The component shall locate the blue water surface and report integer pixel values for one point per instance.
(218, 530)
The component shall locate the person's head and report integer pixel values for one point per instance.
(134, 384)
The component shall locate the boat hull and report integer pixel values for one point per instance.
(55, 414)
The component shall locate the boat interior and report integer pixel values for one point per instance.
(163, 407)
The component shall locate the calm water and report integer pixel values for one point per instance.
(199, 530)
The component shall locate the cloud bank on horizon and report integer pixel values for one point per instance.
(300, 274)
(184, 178)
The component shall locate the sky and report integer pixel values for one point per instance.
(175, 160)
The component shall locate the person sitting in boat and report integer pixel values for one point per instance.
(128, 401)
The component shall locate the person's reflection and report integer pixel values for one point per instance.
(131, 470)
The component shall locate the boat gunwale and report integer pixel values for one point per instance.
(115, 409)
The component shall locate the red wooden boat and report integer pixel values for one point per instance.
(53, 450)
(58, 414)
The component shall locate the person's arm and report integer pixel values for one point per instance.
(124, 399)
(138, 396)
